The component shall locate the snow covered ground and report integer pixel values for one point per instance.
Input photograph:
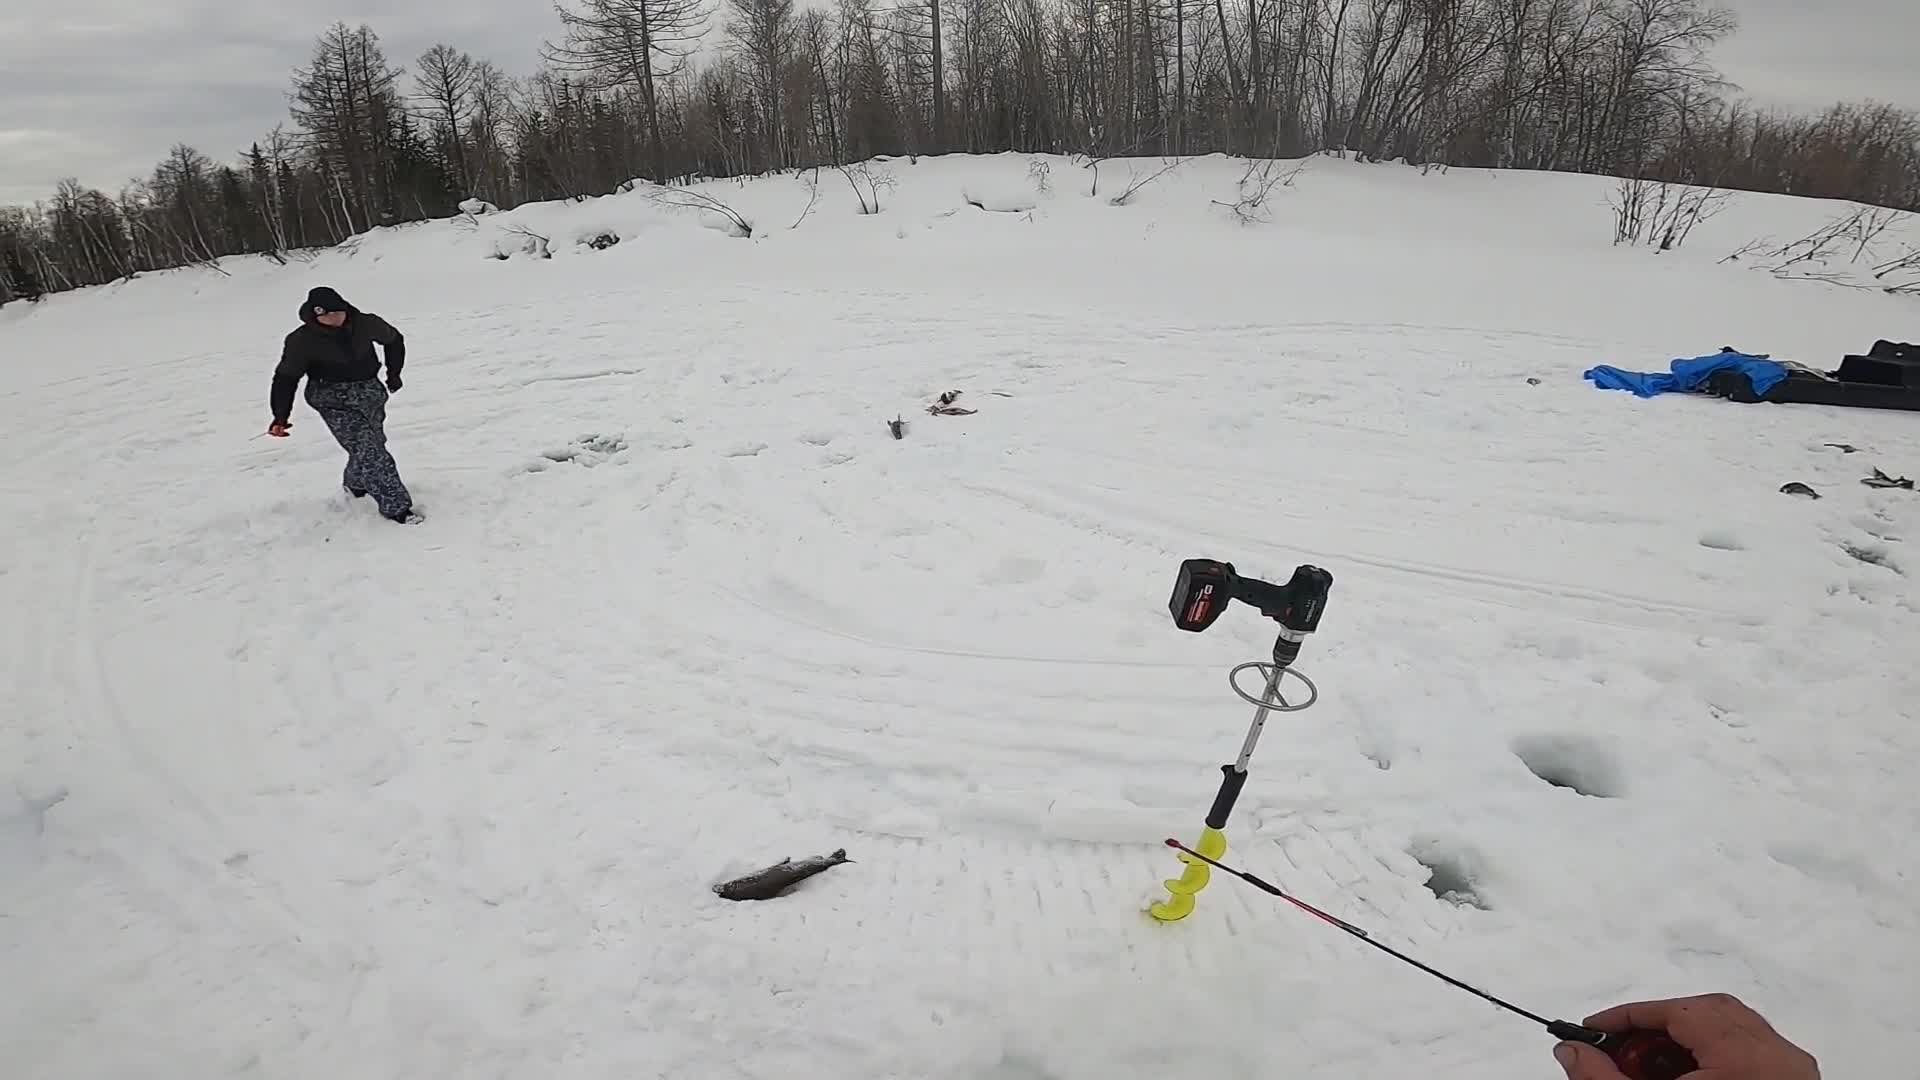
(289, 791)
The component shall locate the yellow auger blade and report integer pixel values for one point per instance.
(1181, 890)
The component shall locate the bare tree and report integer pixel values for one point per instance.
(341, 102)
(490, 97)
(763, 32)
(632, 44)
(445, 82)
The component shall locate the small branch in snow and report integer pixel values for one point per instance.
(686, 199)
(1828, 277)
(1261, 177)
(1136, 181)
(1010, 207)
(1867, 227)
(1041, 174)
(1749, 248)
(1860, 229)
(1901, 275)
(1910, 263)
(813, 197)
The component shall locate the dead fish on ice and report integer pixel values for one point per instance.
(778, 878)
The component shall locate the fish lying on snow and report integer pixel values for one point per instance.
(778, 878)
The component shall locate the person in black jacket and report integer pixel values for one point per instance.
(333, 350)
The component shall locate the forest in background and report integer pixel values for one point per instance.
(670, 90)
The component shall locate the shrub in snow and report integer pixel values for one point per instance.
(1664, 214)
(1256, 184)
(1041, 175)
(714, 214)
(1138, 179)
(867, 183)
(1848, 250)
(602, 241)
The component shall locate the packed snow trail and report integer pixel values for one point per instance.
(295, 792)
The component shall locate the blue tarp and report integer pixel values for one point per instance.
(1690, 374)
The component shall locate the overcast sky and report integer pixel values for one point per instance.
(100, 89)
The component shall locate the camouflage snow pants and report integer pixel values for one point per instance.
(356, 413)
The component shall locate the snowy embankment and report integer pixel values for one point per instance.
(299, 793)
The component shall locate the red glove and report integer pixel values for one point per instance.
(279, 429)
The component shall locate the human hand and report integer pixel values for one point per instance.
(1729, 1040)
(393, 382)
(279, 429)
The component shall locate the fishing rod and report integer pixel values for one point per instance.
(1639, 1054)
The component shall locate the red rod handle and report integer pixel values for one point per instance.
(1649, 1055)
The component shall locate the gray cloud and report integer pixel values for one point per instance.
(1805, 55)
(101, 89)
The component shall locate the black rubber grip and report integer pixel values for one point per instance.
(1229, 793)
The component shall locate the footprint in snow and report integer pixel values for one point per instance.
(587, 450)
(21, 826)
(1376, 749)
(1016, 571)
(1721, 540)
(1872, 555)
(1877, 526)
(1822, 864)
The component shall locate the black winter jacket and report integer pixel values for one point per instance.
(328, 355)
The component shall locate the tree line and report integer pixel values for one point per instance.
(1619, 87)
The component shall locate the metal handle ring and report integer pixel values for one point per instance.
(1279, 703)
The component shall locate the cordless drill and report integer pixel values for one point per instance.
(1205, 586)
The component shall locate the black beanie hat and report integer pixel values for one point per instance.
(320, 300)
